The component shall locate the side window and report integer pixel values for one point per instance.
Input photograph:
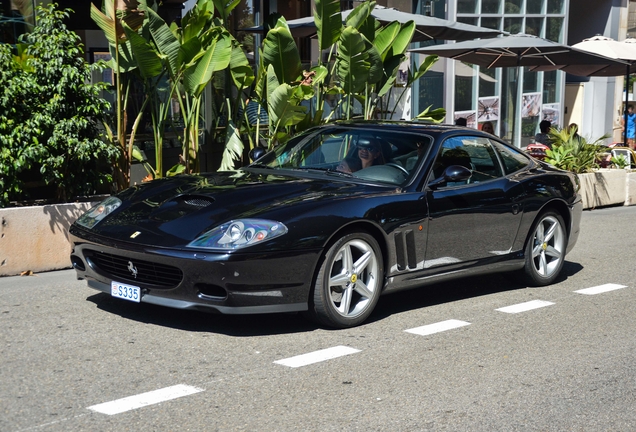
(513, 160)
(475, 153)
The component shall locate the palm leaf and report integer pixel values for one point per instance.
(280, 51)
(283, 108)
(233, 148)
(216, 57)
(328, 22)
(167, 43)
(145, 56)
(352, 64)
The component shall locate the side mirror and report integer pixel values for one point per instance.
(453, 173)
(257, 152)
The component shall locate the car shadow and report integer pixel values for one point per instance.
(458, 289)
(197, 321)
(288, 323)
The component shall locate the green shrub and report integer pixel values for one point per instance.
(573, 152)
(50, 117)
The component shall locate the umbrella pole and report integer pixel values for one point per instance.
(625, 107)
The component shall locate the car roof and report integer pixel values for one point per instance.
(413, 126)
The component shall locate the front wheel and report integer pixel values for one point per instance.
(545, 251)
(348, 284)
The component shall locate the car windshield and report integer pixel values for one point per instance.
(369, 154)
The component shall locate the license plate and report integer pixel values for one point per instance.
(126, 292)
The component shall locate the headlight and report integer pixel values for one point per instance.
(99, 212)
(239, 233)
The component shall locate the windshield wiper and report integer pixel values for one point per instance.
(330, 171)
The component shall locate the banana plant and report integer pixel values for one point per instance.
(111, 20)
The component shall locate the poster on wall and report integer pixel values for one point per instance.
(488, 109)
(531, 105)
(470, 116)
(552, 113)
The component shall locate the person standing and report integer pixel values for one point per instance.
(543, 137)
(630, 130)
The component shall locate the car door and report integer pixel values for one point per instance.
(476, 219)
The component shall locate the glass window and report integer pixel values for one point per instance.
(554, 29)
(513, 25)
(463, 88)
(549, 87)
(467, 6)
(487, 82)
(513, 160)
(534, 26)
(555, 7)
(474, 153)
(512, 7)
(534, 6)
(490, 6)
(492, 23)
(530, 81)
(467, 20)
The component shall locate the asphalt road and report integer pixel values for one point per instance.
(73, 359)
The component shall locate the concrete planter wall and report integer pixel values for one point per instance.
(608, 187)
(36, 238)
(604, 187)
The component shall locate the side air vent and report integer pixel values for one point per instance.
(197, 201)
(405, 252)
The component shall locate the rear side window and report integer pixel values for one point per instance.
(513, 159)
(475, 153)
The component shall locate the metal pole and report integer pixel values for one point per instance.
(625, 107)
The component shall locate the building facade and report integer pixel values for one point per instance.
(515, 100)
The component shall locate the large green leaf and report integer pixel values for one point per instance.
(240, 70)
(283, 108)
(352, 61)
(216, 57)
(360, 13)
(328, 22)
(376, 67)
(146, 57)
(167, 43)
(280, 51)
(233, 148)
(385, 37)
(225, 7)
(127, 62)
(105, 22)
(403, 39)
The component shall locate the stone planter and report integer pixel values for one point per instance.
(604, 187)
(36, 238)
(630, 188)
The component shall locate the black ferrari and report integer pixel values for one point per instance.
(331, 220)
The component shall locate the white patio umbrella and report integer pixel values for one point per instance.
(611, 48)
(523, 50)
(426, 28)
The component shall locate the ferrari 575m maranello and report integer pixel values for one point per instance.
(330, 221)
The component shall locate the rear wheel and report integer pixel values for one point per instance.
(348, 284)
(545, 251)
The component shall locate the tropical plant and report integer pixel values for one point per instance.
(50, 117)
(573, 152)
(620, 161)
(111, 20)
(368, 57)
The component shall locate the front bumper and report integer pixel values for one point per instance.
(214, 282)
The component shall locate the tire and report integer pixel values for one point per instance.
(545, 249)
(348, 284)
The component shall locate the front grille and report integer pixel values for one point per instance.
(122, 269)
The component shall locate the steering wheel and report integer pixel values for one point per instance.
(398, 166)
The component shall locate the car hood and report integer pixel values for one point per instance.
(173, 212)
